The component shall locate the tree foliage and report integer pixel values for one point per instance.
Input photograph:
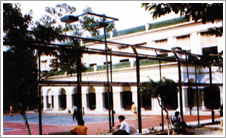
(20, 73)
(206, 12)
(162, 90)
(20, 69)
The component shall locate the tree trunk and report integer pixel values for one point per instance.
(167, 115)
(26, 124)
(168, 123)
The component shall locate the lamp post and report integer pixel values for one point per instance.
(179, 82)
(70, 19)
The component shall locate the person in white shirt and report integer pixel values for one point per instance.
(124, 128)
(75, 112)
(179, 124)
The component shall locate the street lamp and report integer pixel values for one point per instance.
(98, 25)
(70, 19)
(104, 25)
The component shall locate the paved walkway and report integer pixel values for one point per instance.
(96, 128)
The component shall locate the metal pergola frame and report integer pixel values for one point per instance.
(115, 53)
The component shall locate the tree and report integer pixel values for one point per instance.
(20, 74)
(51, 26)
(206, 12)
(161, 90)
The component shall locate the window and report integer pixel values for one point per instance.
(160, 43)
(183, 41)
(91, 65)
(209, 50)
(208, 40)
(124, 60)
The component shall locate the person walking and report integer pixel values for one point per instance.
(75, 113)
(134, 110)
(11, 110)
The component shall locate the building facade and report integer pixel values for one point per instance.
(190, 36)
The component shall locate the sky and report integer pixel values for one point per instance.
(129, 13)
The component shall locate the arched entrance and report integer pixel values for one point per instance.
(75, 97)
(212, 97)
(126, 97)
(62, 99)
(146, 101)
(50, 101)
(105, 97)
(91, 98)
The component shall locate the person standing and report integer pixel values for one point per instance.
(134, 110)
(75, 113)
(11, 110)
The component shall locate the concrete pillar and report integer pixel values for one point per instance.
(184, 100)
(195, 43)
(134, 94)
(221, 95)
(99, 99)
(56, 98)
(203, 107)
(69, 102)
(84, 98)
(117, 99)
(44, 102)
(171, 42)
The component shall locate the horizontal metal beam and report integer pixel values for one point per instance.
(96, 83)
(84, 83)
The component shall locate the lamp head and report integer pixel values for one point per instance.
(69, 19)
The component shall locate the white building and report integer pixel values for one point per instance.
(190, 36)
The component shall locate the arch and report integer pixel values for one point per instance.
(105, 97)
(50, 98)
(126, 96)
(62, 99)
(212, 97)
(206, 79)
(126, 87)
(91, 89)
(74, 90)
(191, 80)
(91, 98)
(74, 96)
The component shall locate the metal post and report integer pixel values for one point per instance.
(106, 49)
(180, 89)
(39, 93)
(211, 90)
(138, 94)
(79, 93)
(189, 93)
(160, 75)
(112, 109)
(197, 94)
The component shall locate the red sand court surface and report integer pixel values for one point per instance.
(93, 128)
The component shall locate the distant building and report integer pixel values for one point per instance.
(190, 36)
